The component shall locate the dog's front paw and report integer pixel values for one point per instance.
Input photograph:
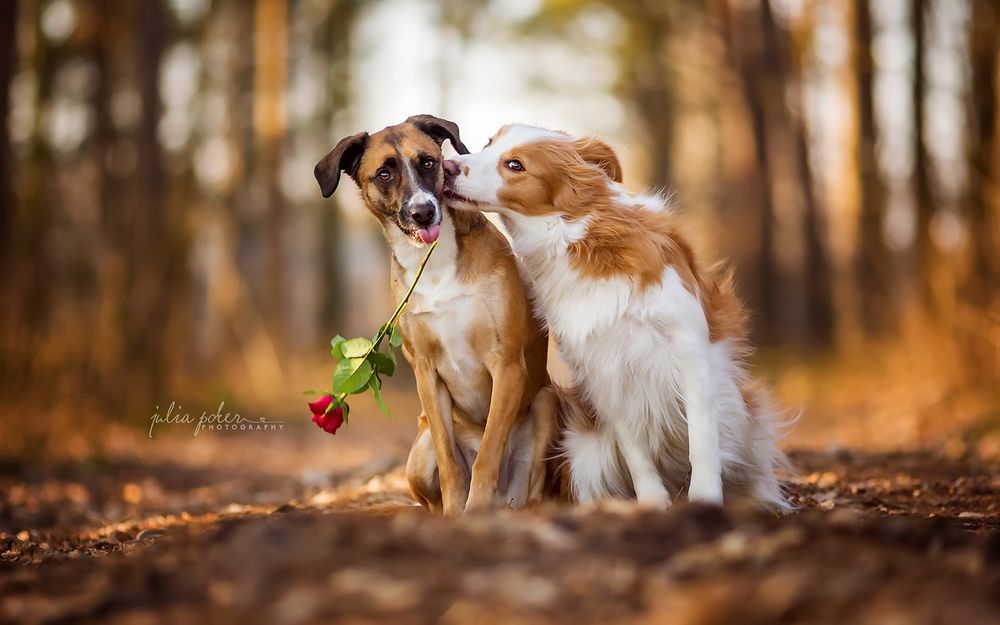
(453, 502)
(651, 493)
(706, 491)
(655, 500)
(480, 502)
(452, 508)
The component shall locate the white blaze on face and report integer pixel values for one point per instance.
(421, 195)
(480, 178)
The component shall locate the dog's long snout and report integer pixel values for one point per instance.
(422, 213)
(451, 168)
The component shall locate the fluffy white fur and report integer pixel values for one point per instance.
(665, 398)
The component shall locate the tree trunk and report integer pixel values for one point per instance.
(648, 83)
(818, 279)
(149, 257)
(106, 358)
(745, 51)
(270, 54)
(337, 45)
(924, 249)
(106, 11)
(656, 109)
(33, 270)
(8, 64)
(873, 263)
(983, 203)
(764, 265)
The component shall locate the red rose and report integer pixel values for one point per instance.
(331, 421)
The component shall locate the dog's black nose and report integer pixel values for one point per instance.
(423, 213)
(450, 167)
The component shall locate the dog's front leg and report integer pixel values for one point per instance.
(545, 421)
(646, 480)
(437, 406)
(421, 468)
(703, 431)
(505, 406)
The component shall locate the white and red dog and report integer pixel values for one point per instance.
(656, 342)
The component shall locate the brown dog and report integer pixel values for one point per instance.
(478, 353)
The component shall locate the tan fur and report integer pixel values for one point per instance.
(512, 347)
(402, 141)
(599, 153)
(405, 138)
(508, 343)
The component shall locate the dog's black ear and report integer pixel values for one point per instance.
(439, 130)
(345, 156)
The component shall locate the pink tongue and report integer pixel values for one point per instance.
(429, 235)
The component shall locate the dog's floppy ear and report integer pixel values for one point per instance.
(345, 156)
(596, 152)
(439, 130)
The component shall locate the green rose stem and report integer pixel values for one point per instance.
(390, 325)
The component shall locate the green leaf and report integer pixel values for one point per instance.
(395, 339)
(347, 412)
(351, 375)
(384, 363)
(336, 345)
(356, 348)
(376, 386)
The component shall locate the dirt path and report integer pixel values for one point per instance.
(907, 538)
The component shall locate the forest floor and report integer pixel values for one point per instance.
(298, 527)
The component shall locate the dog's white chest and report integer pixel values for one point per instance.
(444, 310)
(446, 314)
(449, 321)
(632, 355)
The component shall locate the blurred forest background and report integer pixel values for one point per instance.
(162, 238)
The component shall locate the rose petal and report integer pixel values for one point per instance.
(319, 406)
(335, 419)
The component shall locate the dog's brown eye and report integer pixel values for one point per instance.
(384, 175)
(428, 163)
(514, 165)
